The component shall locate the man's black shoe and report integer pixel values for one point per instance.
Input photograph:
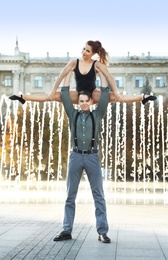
(104, 239)
(63, 236)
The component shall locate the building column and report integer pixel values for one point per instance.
(16, 81)
(129, 84)
(27, 84)
(47, 83)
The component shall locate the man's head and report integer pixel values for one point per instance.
(85, 100)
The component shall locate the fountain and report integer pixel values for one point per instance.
(35, 146)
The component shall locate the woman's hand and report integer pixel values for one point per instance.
(118, 97)
(51, 96)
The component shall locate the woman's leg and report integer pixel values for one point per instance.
(133, 98)
(44, 97)
(35, 97)
(41, 97)
(127, 98)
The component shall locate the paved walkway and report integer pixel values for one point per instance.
(137, 232)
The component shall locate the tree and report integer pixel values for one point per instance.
(147, 89)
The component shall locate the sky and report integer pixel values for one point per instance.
(61, 26)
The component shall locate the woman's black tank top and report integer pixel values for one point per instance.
(85, 82)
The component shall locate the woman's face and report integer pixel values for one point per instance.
(87, 52)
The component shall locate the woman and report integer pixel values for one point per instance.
(85, 70)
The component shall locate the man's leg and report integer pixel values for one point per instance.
(75, 169)
(93, 170)
(73, 179)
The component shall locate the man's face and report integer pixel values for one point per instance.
(85, 102)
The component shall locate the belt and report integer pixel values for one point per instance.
(76, 150)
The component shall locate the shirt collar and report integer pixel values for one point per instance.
(84, 112)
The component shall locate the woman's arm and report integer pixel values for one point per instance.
(68, 68)
(109, 78)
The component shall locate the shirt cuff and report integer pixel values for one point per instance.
(105, 88)
(65, 88)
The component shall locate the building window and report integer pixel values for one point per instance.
(8, 81)
(139, 82)
(119, 81)
(38, 81)
(159, 82)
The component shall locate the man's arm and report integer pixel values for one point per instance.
(67, 102)
(103, 101)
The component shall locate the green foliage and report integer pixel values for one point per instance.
(147, 89)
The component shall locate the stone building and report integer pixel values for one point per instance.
(21, 73)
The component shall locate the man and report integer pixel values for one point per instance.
(85, 128)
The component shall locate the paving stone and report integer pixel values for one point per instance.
(136, 231)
